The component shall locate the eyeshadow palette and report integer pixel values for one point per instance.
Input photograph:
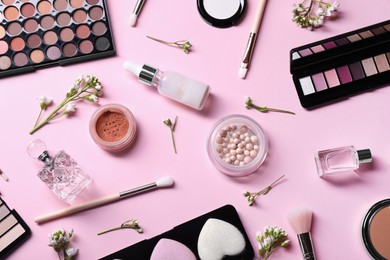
(13, 230)
(42, 33)
(218, 234)
(342, 65)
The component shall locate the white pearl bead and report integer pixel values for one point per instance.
(227, 160)
(225, 150)
(233, 152)
(249, 146)
(236, 162)
(239, 150)
(224, 145)
(243, 129)
(256, 147)
(253, 153)
(240, 145)
(234, 135)
(254, 139)
(242, 137)
(219, 148)
(246, 152)
(240, 157)
(247, 140)
(242, 163)
(236, 141)
(247, 159)
(232, 158)
(219, 140)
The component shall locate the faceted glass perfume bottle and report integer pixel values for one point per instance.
(61, 173)
(342, 159)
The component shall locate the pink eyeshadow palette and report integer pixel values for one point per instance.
(341, 66)
(41, 33)
(13, 230)
(218, 234)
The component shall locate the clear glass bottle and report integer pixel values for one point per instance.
(172, 85)
(342, 159)
(61, 173)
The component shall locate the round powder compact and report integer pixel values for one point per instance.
(237, 145)
(113, 127)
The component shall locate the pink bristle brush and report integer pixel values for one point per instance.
(300, 219)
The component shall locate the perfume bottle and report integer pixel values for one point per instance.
(342, 159)
(61, 173)
(172, 85)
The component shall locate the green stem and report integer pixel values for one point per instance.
(266, 109)
(39, 116)
(109, 230)
(173, 141)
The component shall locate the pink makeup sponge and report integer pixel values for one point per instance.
(168, 249)
(218, 239)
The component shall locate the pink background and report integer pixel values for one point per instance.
(338, 204)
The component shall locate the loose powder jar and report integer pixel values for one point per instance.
(113, 127)
(237, 145)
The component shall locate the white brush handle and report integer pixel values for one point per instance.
(77, 208)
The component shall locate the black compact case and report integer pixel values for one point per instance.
(343, 65)
(187, 234)
(37, 34)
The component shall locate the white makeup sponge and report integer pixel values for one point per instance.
(168, 249)
(218, 239)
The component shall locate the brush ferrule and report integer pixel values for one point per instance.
(306, 245)
(137, 190)
(250, 46)
(138, 7)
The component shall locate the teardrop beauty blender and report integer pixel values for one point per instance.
(168, 249)
(218, 239)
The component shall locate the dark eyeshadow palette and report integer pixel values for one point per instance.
(218, 234)
(43, 33)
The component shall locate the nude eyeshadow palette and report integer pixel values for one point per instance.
(218, 234)
(43, 33)
(341, 66)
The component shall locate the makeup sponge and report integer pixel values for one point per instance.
(218, 239)
(168, 249)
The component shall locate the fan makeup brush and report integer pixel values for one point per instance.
(300, 219)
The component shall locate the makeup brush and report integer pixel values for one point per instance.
(300, 219)
(135, 13)
(161, 183)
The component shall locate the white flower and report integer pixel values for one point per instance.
(71, 107)
(72, 251)
(93, 98)
(44, 101)
(52, 242)
(71, 232)
(98, 87)
(320, 11)
(88, 78)
(335, 5)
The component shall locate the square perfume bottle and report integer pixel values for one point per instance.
(61, 173)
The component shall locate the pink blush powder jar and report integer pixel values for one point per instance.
(113, 127)
(237, 145)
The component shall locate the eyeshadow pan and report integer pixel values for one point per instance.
(382, 63)
(387, 27)
(66, 34)
(307, 85)
(331, 78)
(11, 236)
(100, 28)
(317, 48)
(388, 56)
(8, 2)
(44, 7)
(2, 32)
(69, 49)
(366, 34)
(319, 81)
(53, 53)
(357, 70)
(369, 67)
(14, 28)
(83, 31)
(60, 5)
(5, 63)
(93, 2)
(11, 13)
(7, 223)
(341, 42)
(3, 211)
(20, 59)
(344, 74)
(354, 38)
(37, 56)
(76, 3)
(102, 44)
(95, 13)
(47, 22)
(329, 45)
(378, 30)
(50, 37)
(30, 25)
(86, 46)
(17, 44)
(380, 232)
(34, 41)
(63, 19)
(305, 52)
(3, 47)
(79, 16)
(27, 10)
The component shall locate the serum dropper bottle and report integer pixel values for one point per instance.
(171, 84)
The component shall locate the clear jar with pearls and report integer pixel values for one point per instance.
(237, 145)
